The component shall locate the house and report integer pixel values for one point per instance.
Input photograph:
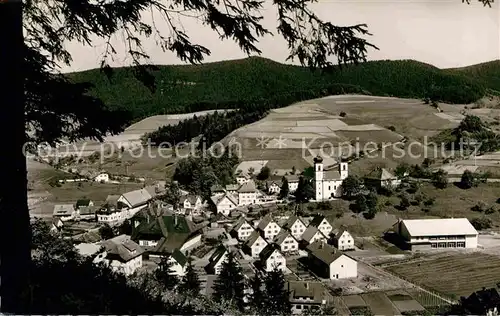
(178, 263)
(293, 182)
(306, 296)
(233, 188)
(64, 211)
(328, 184)
(254, 244)
(56, 225)
(215, 261)
(295, 226)
(87, 212)
(311, 235)
(273, 187)
(320, 222)
(482, 302)
(155, 190)
(286, 242)
(83, 203)
(102, 177)
(327, 262)
(381, 178)
(268, 227)
(242, 178)
(225, 203)
(242, 229)
(121, 254)
(424, 234)
(247, 193)
(271, 258)
(343, 240)
(217, 189)
(135, 199)
(161, 235)
(191, 202)
(113, 210)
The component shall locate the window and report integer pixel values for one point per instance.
(285, 248)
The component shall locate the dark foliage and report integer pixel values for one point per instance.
(229, 285)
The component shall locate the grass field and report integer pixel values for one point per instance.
(454, 275)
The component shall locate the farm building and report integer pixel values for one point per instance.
(306, 296)
(328, 183)
(64, 211)
(135, 199)
(424, 234)
(381, 178)
(331, 263)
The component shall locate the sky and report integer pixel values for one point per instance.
(444, 33)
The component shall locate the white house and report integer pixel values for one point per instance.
(247, 193)
(327, 262)
(56, 225)
(425, 234)
(286, 242)
(306, 296)
(81, 203)
(224, 203)
(64, 211)
(293, 182)
(268, 227)
(343, 240)
(320, 222)
(121, 254)
(191, 202)
(381, 178)
(242, 229)
(242, 178)
(313, 234)
(328, 184)
(102, 177)
(273, 187)
(215, 261)
(135, 199)
(296, 226)
(254, 244)
(178, 263)
(271, 258)
(232, 188)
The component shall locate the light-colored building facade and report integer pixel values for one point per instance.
(440, 233)
(320, 222)
(286, 242)
(295, 226)
(306, 296)
(268, 227)
(343, 240)
(242, 230)
(224, 203)
(271, 258)
(328, 184)
(121, 254)
(216, 260)
(254, 244)
(247, 193)
(327, 262)
(312, 235)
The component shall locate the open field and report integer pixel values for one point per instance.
(453, 274)
(379, 304)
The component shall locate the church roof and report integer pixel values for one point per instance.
(332, 174)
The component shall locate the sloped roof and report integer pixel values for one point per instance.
(332, 174)
(340, 233)
(232, 187)
(63, 209)
(83, 202)
(179, 257)
(439, 226)
(190, 197)
(88, 210)
(248, 187)
(381, 174)
(122, 248)
(215, 258)
(216, 188)
(291, 220)
(112, 199)
(310, 232)
(242, 220)
(316, 221)
(324, 252)
(268, 251)
(311, 289)
(137, 197)
(282, 235)
(292, 178)
(219, 198)
(253, 238)
(264, 222)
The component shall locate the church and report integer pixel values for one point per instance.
(328, 184)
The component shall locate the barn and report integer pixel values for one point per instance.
(425, 234)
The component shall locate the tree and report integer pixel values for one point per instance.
(264, 173)
(190, 283)
(405, 201)
(229, 285)
(164, 274)
(125, 228)
(49, 246)
(439, 179)
(401, 170)
(173, 194)
(284, 188)
(304, 191)
(106, 232)
(361, 205)
(351, 186)
(481, 223)
(277, 297)
(294, 170)
(372, 202)
(257, 296)
(468, 180)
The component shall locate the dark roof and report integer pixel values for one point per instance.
(191, 198)
(122, 248)
(340, 232)
(179, 257)
(310, 232)
(292, 178)
(215, 258)
(268, 251)
(264, 222)
(380, 174)
(318, 159)
(481, 301)
(282, 235)
(299, 289)
(248, 187)
(253, 238)
(82, 202)
(240, 223)
(316, 221)
(324, 252)
(88, 210)
(232, 187)
(291, 220)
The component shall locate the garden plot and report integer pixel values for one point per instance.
(379, 304)
(455, 274)
(403, 301)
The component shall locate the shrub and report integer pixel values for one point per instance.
(391, 128)
(490, 210)
(342, 114)
(480, 207)
(481, 223)
(430, 201)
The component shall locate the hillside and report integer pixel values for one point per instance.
(190, 88)
(488, 74)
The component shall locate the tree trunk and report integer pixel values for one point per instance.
(16, 233)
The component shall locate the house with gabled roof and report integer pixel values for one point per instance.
(135, 199)
(328, 262)
(306, 296)
(216, 259)
(178, 263)
(83, 203)
(225, 203)
(381, 178)
(343, 240)
(293, 182)
(482, 302)
(271, 258)
(121, 254)
(254, 244)
(242, 178)
(242, 229)
(64, 211)
(322, 224)
(311, 235)
(286, 241)
(268, 227)
(163, 234)
(247, 193)
(232, 188)
(191, 202)
(295, 226)
(273, 187)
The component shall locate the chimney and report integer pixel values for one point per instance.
(306, 285)
(322, 244)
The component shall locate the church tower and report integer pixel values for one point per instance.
(343, 170)
(318, 178)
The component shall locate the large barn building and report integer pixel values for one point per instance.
(425, 234)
